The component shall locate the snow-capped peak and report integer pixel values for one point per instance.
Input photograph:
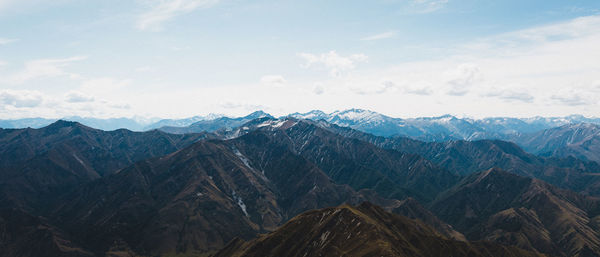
(357, 115)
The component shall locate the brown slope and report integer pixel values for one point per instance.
(366, 230)
(411, 208)
(500, 206)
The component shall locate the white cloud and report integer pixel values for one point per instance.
(384, 35)
(160, 11)
(276, 80)
(336, 64)
(575, 96)
(242, 106)
(44, 68)
(596, 85)
(510, 95)
(120, 106)
(318, 89)
(506, 43)
(418, 90)
(21, 98)
(5, 41)
(428, 6)
(570, 99)
(78, 97)
(380, 88)
(462, 78)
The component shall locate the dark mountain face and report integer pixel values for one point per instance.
(24, 235)
(126, 193)
(390, 173)
(466, 157)
(199, 198)
(37, 165)
(212, 125)
(509, 209)
(366, 230)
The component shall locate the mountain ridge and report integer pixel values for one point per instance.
(365, 230)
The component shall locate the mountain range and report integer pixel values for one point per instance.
(440, 128)
(528, 133)
(260, 185)
(573, 135)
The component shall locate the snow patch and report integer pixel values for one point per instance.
(278, 123)
(242, 158)
(357, 115)
(78, 159)
(264, 124)
(324, 237)
(240, 203)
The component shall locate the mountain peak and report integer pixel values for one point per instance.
(358, 115)
(311, 115)
(258, 114)
(64, 124)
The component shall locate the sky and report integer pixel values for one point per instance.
(402, 58)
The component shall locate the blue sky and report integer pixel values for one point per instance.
(404, 58)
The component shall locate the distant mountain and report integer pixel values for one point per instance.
(26, 123)
(181, 122)
(581, 140)
(108, 124)
(365, 230)
(103, 124)
(222, 123)
(441, 128)
(499, 206)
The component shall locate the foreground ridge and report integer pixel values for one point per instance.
(364, 230)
